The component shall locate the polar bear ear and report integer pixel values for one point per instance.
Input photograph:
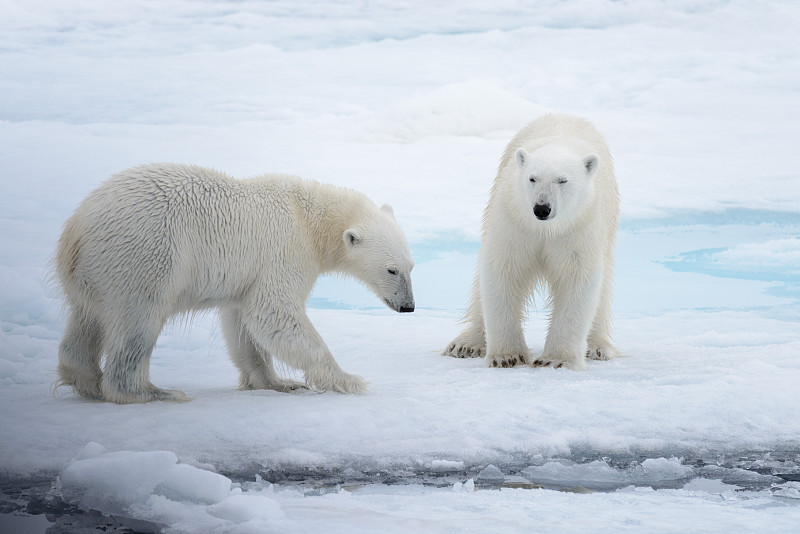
(351, 237)
(590, 163)
(387, 209)
(521, 156)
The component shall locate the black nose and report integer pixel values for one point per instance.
(542, 211)
(406, 309)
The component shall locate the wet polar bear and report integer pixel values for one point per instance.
(551, 219)
(162, 239)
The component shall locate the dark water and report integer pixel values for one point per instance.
(33, 506)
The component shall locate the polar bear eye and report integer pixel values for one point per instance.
(532, 179)
(392, 271)
(562, 180)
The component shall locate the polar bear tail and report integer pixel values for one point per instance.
(67, 258)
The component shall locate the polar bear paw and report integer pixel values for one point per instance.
(601, 352)
(506, 360)
(173, 395)
(287, 386)
(348, 383)
(459, 350)
(559, 360)
(276, 384)
(85, 384)
(148, 394)
(467, 345)
(338, 381)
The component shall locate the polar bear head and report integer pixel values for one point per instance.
(377, 254)
(557, 181)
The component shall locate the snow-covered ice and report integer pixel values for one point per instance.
(695, 429)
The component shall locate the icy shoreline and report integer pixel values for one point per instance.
(149, 491)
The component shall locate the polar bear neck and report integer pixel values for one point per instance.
(328, 211)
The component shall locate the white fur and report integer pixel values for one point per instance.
(551, 220)
(163, 239)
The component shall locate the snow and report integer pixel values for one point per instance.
(454, 110)
(695, 429)
(446, 465)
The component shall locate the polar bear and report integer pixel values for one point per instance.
(551, 220)
(162, 239)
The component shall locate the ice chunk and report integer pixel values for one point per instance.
(491, 474)
(710, 485)
(789, 490)
(247, 507)
(597, 474)
(467, 486)
(737, 476)
(600, 475)
(663, 469)
(187, 483)
(90, 450)
(112, 481)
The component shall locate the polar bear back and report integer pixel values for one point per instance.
(201, 237)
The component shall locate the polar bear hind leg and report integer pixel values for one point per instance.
(79, 355)
(126, 374)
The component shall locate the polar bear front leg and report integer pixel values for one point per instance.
(503, 295)
(471, 343)
(287, 333)
(575, 301)
(600, 346)
(256, 370)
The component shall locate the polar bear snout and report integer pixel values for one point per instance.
(402, 298)
(542, 211)
(406, 307)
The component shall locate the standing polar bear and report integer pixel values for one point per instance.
(162, 239)
(551, 219)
